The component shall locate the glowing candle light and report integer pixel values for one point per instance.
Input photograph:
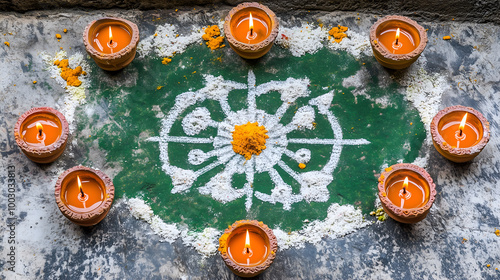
(250, 25)
(80, 186)
(39, 127)
(459, 133)
(111, 42)
(110, 35)
(87, 207)
(247, 241)
(397, 41)
(42, 133)
(406, 192)
(251, 29)
(397, 36)
(248, 247)
(462, 124)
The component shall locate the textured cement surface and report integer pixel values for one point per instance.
(473, 11)
(50, 247)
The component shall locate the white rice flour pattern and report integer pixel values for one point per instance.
(313, 184)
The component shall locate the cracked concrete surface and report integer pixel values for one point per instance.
(456, 240)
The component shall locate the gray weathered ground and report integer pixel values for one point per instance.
(50, 247)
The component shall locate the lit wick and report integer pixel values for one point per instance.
(397, 36)
(405, 185)
(462, 124)
(247, 249)
(40, 128)
(111, 36)
(80, 186)
(251, 27)
(247, 241)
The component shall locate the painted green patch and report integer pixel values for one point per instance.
(128, 109)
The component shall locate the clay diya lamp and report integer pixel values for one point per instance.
(42, 133)
(248, 247)
(397, 41)
(111, 42)
(406, 192)
(84, 195)
(459, 133)
(251, 29)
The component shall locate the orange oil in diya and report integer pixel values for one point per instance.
(247, 248)
(397, 40)
(460, 134)
(407, 192)
(83, 194)
(42, 130)
(111, 39)
(250, 28)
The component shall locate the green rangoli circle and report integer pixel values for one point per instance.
(171, 144)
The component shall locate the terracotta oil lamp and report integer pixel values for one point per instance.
(248, 247)
(84, 195)
(251, 29)
(111, 42)
(397, 41)
(42, 134)
(459, 133)
(406, 192)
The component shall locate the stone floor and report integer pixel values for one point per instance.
(456, 240)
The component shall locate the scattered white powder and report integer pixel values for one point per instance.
(75, 95)
(307, 39)
(217, 88)
(421, 161)
(303, 155)
(182, 179)
(424, 91)
(323, 102)
(304, 118)
(196, 121)
(141, 211)
(197, 157)
(358, 82)
(205, 242)
(221, 27)
(168, 41)
(314, 186)
(377, 203)
(340, 221)
(167, 232)
(301, 40)
(281, 193)
(355, 44)
(220, 187)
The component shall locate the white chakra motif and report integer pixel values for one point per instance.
(313, 184)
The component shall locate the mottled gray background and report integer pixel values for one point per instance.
(467, 205)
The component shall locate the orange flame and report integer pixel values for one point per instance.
(79, 184)
(250, 23)
(247, 241)
(462, 123)
(110, 35)
(405, 185)
(39, 127)
(397, 36)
